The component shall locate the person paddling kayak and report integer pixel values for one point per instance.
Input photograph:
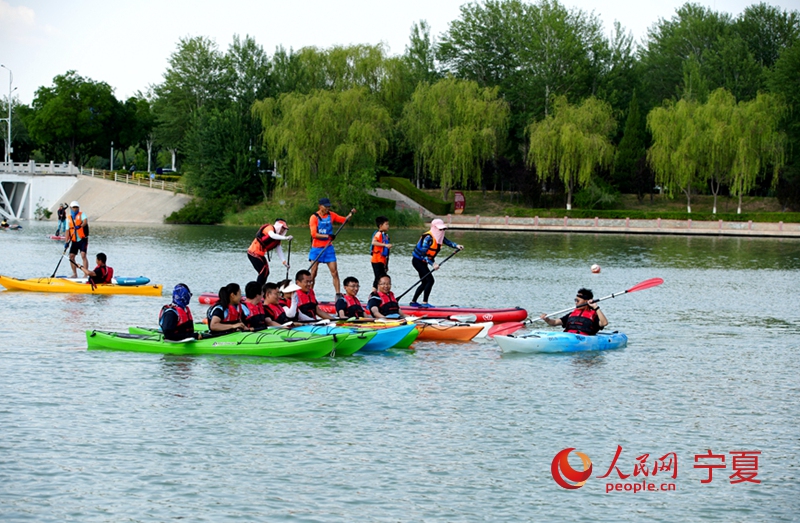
(426, 250)
(268, 238)
(252, 307)
(586, 319)
(100, 274)
(308, 308)
(276, 315)
(175, 319)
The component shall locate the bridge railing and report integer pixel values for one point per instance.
(32, 167)
(141, 181)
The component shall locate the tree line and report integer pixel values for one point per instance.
(531, 97)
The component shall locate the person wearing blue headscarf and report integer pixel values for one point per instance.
(175, 319)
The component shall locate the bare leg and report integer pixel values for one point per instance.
(335, 275)
(72, 265)
(85, 260)
(313, 272)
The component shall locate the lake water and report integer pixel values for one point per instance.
(447, 432)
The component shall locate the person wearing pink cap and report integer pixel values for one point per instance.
(423, 256)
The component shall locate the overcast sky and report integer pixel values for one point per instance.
(127, 43)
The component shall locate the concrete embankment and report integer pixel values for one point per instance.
(624, 226)
(111, 202)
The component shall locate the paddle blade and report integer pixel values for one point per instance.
(464, 318)
(504, 329)
(652, 282)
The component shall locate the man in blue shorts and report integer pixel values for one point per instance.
(322, 250)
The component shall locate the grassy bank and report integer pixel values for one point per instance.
(495, 203)
(295, 207)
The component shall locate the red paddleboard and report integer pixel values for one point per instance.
(54, 237)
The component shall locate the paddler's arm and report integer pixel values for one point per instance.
(602, 320)
(324, 315)
(551, 321)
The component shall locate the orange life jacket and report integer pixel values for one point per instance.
(263, 243)
(75, 228)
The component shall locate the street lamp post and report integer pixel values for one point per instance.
(112, 155)
(9, 150)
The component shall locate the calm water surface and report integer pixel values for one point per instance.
(447, 432)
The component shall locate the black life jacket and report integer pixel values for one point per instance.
(582, 321)
(353, 307)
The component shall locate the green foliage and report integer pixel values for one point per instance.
(598, 194)
(72, 119)
(572, 142)
(326, 140)
(454, 127)
(631, 147)
(764, 217)
(405, 187)
(202, 211)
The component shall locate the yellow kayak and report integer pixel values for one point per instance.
(64, 285)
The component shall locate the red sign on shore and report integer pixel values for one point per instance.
(460, 201)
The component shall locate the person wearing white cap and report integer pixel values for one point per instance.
(78, 235)
(425, 251)
(268, 237)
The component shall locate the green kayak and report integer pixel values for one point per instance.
(237, 343)
(346, 342)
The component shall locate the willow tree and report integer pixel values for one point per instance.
(759, 143)
(326, 141)
(716, 139)
(572, 142)
(676, 153)
(454, 127)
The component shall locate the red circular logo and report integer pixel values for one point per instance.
(563, 471)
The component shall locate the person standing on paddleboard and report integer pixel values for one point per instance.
(322, 251)
(78, 235)
(268, 237)
(61, 213)
(586, 319)
(426, 250)
(380, 250)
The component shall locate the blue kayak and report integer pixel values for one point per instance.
(384, 339)
(549, 341)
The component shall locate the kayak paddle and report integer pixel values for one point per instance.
(652, 282)
(66, 246)
(330, 242)
(288, 259)
(429, 273)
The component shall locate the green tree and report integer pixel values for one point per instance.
(716, 139)
(631, 148)
(783, 81)
(759, 143)
(72, 119)
(531, 51)
(767, 30)
(675, 153)
(195, 78)
(326, 141)
(572, 142)
(454, 126)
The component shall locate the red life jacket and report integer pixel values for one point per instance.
(103, 275)
(185, 327)
(307, 303)
(262, 243)
(276, 313)
(353, 307)
(253, 315)
(582, 321)
(230, 316)
(388, 304)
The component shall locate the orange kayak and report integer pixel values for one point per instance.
(445, 332)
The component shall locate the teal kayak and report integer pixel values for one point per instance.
(548, 341)
(237, 343)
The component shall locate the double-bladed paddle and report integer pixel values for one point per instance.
(652, 282)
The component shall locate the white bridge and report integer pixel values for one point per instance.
(26, 186)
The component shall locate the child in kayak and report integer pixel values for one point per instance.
(175, 319)
(349, 306)
(380, 250)
(253, 306)
(586, 319)
(100, 274)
